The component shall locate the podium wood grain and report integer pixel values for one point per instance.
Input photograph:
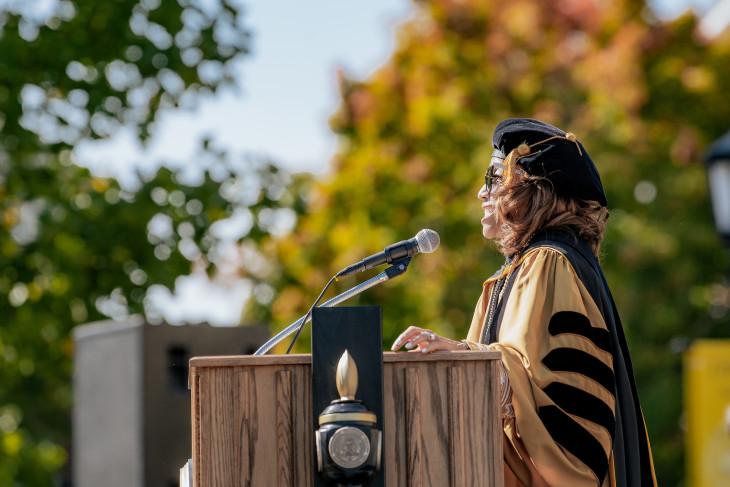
(252, 420)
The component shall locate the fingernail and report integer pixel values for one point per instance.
(397, 343)
(409, 345)
(424, 349)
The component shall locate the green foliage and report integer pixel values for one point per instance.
(643, 97)
(75, 247)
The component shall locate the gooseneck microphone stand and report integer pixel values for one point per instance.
(398, 268)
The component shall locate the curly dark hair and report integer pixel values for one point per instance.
(530, 204)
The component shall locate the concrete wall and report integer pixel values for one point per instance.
(131, 417)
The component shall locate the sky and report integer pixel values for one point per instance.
(286, 88)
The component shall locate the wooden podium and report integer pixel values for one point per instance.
(252, 420)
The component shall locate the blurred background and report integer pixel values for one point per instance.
(216, 161)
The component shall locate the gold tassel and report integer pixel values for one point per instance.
(571, 137)
(523, 149)
(510, 163)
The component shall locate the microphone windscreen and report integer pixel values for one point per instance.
(427, 240)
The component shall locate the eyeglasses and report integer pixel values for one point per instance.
(491, 179)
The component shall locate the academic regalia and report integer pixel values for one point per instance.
(576, 418)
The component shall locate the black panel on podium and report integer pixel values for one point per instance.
(359, 331)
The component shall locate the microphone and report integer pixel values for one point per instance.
(425, 241)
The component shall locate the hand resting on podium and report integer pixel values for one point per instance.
(417, 339)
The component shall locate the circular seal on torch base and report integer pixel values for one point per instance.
(349, 447)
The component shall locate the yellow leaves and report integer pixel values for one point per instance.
(11, 216)
(79, 312)
(451, 100)
(419, 116)
(427, 105)
(527, 86)
(670, 67)
(12, 443)
(416, 169)
(60, 284)
(100, 185)
(695, 78)
(698, 79)
(288, 302)
(12, 438)
(35, 292)
(289, 251)
(522, 19)
(345, 238)
(615, 70)
(473, 51)
(51, 454)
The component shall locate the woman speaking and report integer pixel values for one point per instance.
(570, 409)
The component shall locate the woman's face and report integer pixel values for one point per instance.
(491, 224)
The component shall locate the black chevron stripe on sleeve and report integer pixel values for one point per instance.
(578, 324)
(571, 436)
(580, 362)
(582, 404)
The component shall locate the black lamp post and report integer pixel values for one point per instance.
(718, 172)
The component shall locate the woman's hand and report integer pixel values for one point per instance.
(426, 341)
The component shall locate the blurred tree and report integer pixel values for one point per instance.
(75, 247)
(643, 96)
